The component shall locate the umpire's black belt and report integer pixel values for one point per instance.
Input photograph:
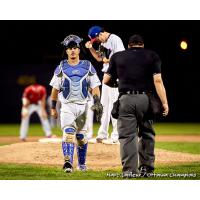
(132, 92)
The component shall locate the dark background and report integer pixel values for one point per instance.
(30, 50)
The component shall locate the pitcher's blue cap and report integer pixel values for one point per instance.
(94, 32)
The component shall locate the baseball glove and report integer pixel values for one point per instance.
(97, 108)
(103, 52)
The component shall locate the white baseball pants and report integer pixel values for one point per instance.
(25, 121)
(108, 97)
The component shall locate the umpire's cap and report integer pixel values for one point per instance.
(136, 39)
(94, 32)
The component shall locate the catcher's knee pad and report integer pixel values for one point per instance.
(69, 134)
(81, 139)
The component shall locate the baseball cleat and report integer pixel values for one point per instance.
(110, 141)
(96, 140)
(67, 167)
(82, 168)
(23, 139)
(89, 137)
(100, 140)
(52, 136)
(92, 141)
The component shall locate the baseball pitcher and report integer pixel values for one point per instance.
(110, 44)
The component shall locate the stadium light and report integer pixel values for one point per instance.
(183, 45)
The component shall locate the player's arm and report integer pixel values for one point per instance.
(43, 106)
(54, 98)
(94, 85)
(160, 89)
(43, 94)
(110, 77)
(94, 82)
(106, 78)
(25, 101)
(43, 102)
(117, 45)
(96, 55)
(56, 84)
(96, 91)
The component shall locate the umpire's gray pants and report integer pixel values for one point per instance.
(131, 117)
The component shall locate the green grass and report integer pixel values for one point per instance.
(177, 128)
(160, 128)
(185, 147)
(174, 171)
(28, 172)
(34, 130)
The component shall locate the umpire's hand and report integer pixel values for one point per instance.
(165, 109)
(54, 113)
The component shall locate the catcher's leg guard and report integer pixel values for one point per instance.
(68, 144)
(81, 150)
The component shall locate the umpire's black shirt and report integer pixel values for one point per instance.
(134, 68)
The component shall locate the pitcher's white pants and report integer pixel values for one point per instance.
(25, 121)
(90, 118)
(108, 97)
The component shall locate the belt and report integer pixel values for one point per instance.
(133, 92)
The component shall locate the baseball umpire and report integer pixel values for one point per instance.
(139, 72)
(71, 81)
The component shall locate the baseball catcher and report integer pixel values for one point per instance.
(71, 82)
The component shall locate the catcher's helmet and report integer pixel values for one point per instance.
(72, 40)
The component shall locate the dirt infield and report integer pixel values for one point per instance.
(161, 138)
(100, 156)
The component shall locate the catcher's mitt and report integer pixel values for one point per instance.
(97, 108)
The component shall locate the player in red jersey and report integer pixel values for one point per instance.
(34, 100)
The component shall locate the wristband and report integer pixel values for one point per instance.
(53, 104)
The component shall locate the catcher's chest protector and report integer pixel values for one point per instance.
(75, 84)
